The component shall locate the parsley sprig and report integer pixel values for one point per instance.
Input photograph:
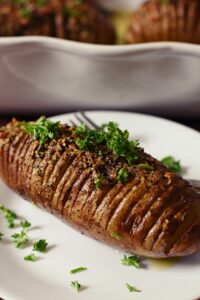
(40, 246)
(76, 285)
(173, 164)
(25, 224)
(115, 235)
(1, 235)
(132, 260)
(98, 181)
(77, 270)
(165, 1)
(108, 138)
(9, 215)
(131, 288)
(20, 239)
(122, 176)
(42, 130)
(31, 257)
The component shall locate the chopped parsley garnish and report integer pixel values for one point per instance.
(78, 2)
(42, 130)
(25, 224)
(1, 235)
(122, 176)
(80, 269)
(165, 1)
(108, 138)
(98, 181)
(171, 163)
(9, 215)
(20, 239)
(132, 260)
(31, 257)
(71, 13)
(26, 13)
(76, 285)
(115, 235)
(145, 166)
(41, 2)
(40, 246)
(132, 288)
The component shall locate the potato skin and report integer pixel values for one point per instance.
(155, 213)
(176, 20)
(82, 21)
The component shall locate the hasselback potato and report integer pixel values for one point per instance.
(172, 20)
(77, 20)
(120, 196)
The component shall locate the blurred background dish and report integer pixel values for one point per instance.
(77, 20)
(155, 21)
(47, 74)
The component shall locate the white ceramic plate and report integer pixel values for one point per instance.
(49, 277)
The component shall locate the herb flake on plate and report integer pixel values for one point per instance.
(25, 224)
(31, 257)
(76, 285)
(20, 239)
(173, 164)
(131, 288)
(9, 215)
(77, 270)
(40, 246)
(132, 260)
(1, 235)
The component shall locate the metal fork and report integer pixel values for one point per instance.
(82, 118)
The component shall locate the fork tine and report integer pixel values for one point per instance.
(72, 123)
(76, 124)
(87, 120)
(195, 183)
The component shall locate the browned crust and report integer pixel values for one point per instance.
(67, 19)
(177, 20)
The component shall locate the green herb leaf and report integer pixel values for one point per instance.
(20, 239)
(71, 13)
(132, 260)
(132, 288)
(26, 13)
(42, 130)
(144, 166)
(32, 257)
(25, 224)
(9, 215)
(171, 163)
(108, 138)
(41, 2)
(1, 235)
(98, 181)
(165, 1)
(40, 246)
(115, 235)
(80, 269)
(122, 176)
(118, 142)
(78, 2)
(76, 285)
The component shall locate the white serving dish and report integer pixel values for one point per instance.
(46, 74)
